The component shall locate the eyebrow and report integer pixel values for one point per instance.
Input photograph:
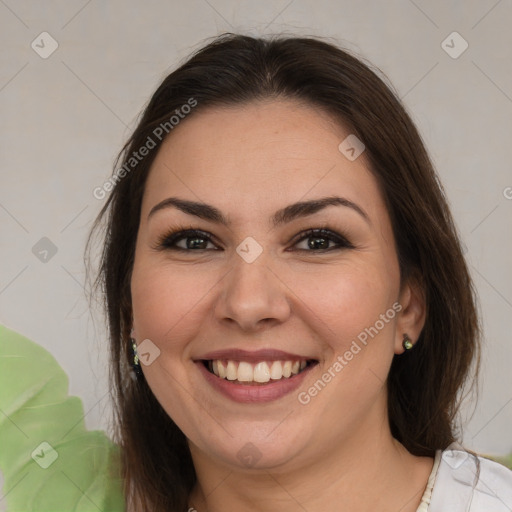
(283, 216)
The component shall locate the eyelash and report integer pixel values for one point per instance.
(168, 241)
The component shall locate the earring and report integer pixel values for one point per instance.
(135, 364)
(407, 343)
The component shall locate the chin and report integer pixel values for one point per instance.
(260, 446)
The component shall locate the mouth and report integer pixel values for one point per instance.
(256, 373)
(260, 376)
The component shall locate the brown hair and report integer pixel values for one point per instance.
(424, 384)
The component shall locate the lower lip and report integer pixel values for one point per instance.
(246, 393)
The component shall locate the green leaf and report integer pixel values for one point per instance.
(49, 461)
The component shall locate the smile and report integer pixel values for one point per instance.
(243, 372)
(254, 376)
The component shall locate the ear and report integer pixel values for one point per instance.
(411, 318)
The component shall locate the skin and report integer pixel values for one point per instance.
(335, 453)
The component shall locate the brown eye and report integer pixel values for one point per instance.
(188, 240)
(319, 240)
(194, 240)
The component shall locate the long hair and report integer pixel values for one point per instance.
(425, 385)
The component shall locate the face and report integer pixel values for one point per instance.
(265, 341)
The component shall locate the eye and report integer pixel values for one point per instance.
(318, 240)
(188, 240)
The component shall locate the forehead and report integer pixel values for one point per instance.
(248, 157)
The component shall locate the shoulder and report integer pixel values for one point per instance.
(470, 483)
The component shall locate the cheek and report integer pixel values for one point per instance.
(355, 321)
(346, 299)
(166, 301)
(167, 306)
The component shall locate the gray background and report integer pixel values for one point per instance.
(65, 117)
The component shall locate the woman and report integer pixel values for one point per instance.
(282, 271)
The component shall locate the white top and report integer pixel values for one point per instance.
(455, 486)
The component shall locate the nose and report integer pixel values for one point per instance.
(253, 295)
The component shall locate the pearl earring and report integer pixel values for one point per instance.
(135, 363)
(407, 343)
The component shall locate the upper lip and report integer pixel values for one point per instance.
(252, 356)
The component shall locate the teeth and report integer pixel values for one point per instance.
(231, 371)
(245, 372)
(221, 370)
(260, 372)
(276, 370)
